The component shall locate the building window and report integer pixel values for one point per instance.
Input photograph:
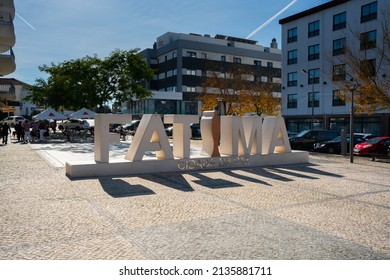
(369, 12)
(257, 62)
(270, 64)
(222, 75)
(339, 21)
(204, 55)
(223, 58)
(173, 55)
(191, 54)
(292, 79)
(338, 98)
(339, 46)
(313, 99)
(191, 89)
(368, 68)
(292, 57)
(368, 40)
(314, 52)
(270, 79)
(237, 60)
(292, 100)
(292, 35)
(314, 28)
(191, 72)
(313, 76)
(339, 72)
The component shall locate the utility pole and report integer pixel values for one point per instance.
(312, 96)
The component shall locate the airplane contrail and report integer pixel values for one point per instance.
(26, 22)
(271, 19)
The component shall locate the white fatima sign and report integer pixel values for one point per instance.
(243, 142)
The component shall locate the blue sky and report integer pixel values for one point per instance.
(70, 29)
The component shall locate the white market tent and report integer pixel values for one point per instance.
(83, 114)
(50, 114)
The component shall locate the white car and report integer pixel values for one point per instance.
(73, 124)
(12, 120)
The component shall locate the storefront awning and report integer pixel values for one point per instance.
(7, 109)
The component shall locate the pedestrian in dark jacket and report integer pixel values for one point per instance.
(5, 130)
(19, 131)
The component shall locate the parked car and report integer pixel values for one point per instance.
(373, 146)
(306, 139)
(365, 136)
(73, 124)
(169, 130)
(291, 134)
(12, 120)
(334, 146)
(195, 130)
(131, 126)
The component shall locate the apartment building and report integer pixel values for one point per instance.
(314, 44)
(7, 57)
(182, 61)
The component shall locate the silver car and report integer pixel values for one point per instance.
(12, 120)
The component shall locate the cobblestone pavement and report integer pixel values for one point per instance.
(327, 209)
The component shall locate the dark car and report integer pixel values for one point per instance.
(195, 130)
(132, 126)
(374, 146)
(306, 139)
(169, 130)
(334, 146)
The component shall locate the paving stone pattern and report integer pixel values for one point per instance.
(327, 209)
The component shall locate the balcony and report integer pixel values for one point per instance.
(7, 60)
(6, 95)
(7, 86)
(8, 6)
(7, 31)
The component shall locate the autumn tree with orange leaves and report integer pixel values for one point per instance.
(239, 90)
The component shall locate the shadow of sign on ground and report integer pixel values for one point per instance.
(117, 187)
(171, 180)
(214, 183)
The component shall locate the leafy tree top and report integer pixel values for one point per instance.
(90, 81)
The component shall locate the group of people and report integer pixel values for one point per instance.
(25, 131)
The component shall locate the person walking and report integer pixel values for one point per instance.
(1, 130)
(5, 130)
(26, 128)
(19, 130)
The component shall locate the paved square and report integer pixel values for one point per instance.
(327, 209)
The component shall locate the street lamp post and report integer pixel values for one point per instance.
(219, 100)
(312, 96)
(351, 127)
(352, 89)
(163, 102)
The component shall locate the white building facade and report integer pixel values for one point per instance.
(14, 92)
(313, 58)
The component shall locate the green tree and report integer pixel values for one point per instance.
(91, 82)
